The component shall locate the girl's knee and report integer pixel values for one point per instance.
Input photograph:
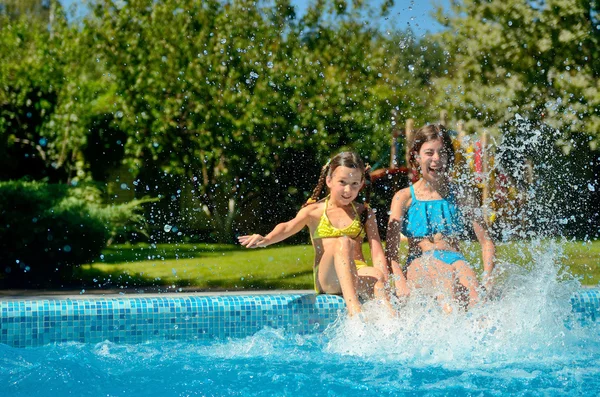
(372, 273)
(378, 275)
(463, 267)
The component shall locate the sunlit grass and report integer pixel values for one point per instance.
(202, 266)
(230, 267)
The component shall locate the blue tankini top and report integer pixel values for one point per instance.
(426, 218)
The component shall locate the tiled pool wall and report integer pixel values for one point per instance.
(36, 322)
(25, 323)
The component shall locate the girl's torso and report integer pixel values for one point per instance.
(328, 222)
(432, 224)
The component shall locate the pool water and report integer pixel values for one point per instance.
(273, 363)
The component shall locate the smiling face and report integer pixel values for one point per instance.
(344, 184)
(432, 160)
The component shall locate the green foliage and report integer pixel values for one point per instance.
(222, 96)
(227, 107)
(48, 96)
(540, 59)
(37, 9)
(46, 229)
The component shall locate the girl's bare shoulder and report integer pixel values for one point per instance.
(314, 210)
(402, 195)
(360, 207)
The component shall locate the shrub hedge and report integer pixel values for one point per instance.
(46, 229)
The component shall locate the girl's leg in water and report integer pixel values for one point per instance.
(367, 282)
(468, 279)
(429, 272)
(371, 284)
(345, 269)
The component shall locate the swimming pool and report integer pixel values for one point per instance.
(297, 344)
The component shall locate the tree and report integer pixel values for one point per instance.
(218, 96)
(221, 107)
(37, 9)
(30, 77)
(51, 88)
(537, 60)
(533, 57)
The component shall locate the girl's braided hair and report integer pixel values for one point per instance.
(343, 159)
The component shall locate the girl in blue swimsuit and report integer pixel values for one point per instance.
(432, 213)
(337, 228)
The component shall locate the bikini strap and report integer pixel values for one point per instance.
(412, 193)
(356, 215)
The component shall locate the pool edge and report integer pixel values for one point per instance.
(34, 322)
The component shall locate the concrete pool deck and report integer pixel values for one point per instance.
(35, 294)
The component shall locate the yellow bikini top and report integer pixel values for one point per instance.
(325, 229)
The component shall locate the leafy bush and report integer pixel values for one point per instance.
(46, 229)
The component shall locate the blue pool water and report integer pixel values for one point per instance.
(273, 363)
(508, 346)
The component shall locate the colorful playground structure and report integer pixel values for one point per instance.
(474, 165)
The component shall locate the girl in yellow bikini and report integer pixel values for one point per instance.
(338, 227)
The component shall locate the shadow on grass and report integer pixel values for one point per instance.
(96, 278)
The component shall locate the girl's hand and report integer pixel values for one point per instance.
(253, 241)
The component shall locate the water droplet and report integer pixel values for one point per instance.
(168, 228)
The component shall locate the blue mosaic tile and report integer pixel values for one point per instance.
(586, 305)
(25, 323)
(134, 320)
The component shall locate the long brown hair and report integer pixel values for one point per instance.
(431, 132)
(343, 159)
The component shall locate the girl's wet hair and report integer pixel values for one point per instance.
(431, 132)
(343, 159)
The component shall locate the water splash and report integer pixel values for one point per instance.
(526, 318)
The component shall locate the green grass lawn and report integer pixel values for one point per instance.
(230, 267)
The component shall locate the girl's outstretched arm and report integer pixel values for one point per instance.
(393, 235)
(279, 232)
